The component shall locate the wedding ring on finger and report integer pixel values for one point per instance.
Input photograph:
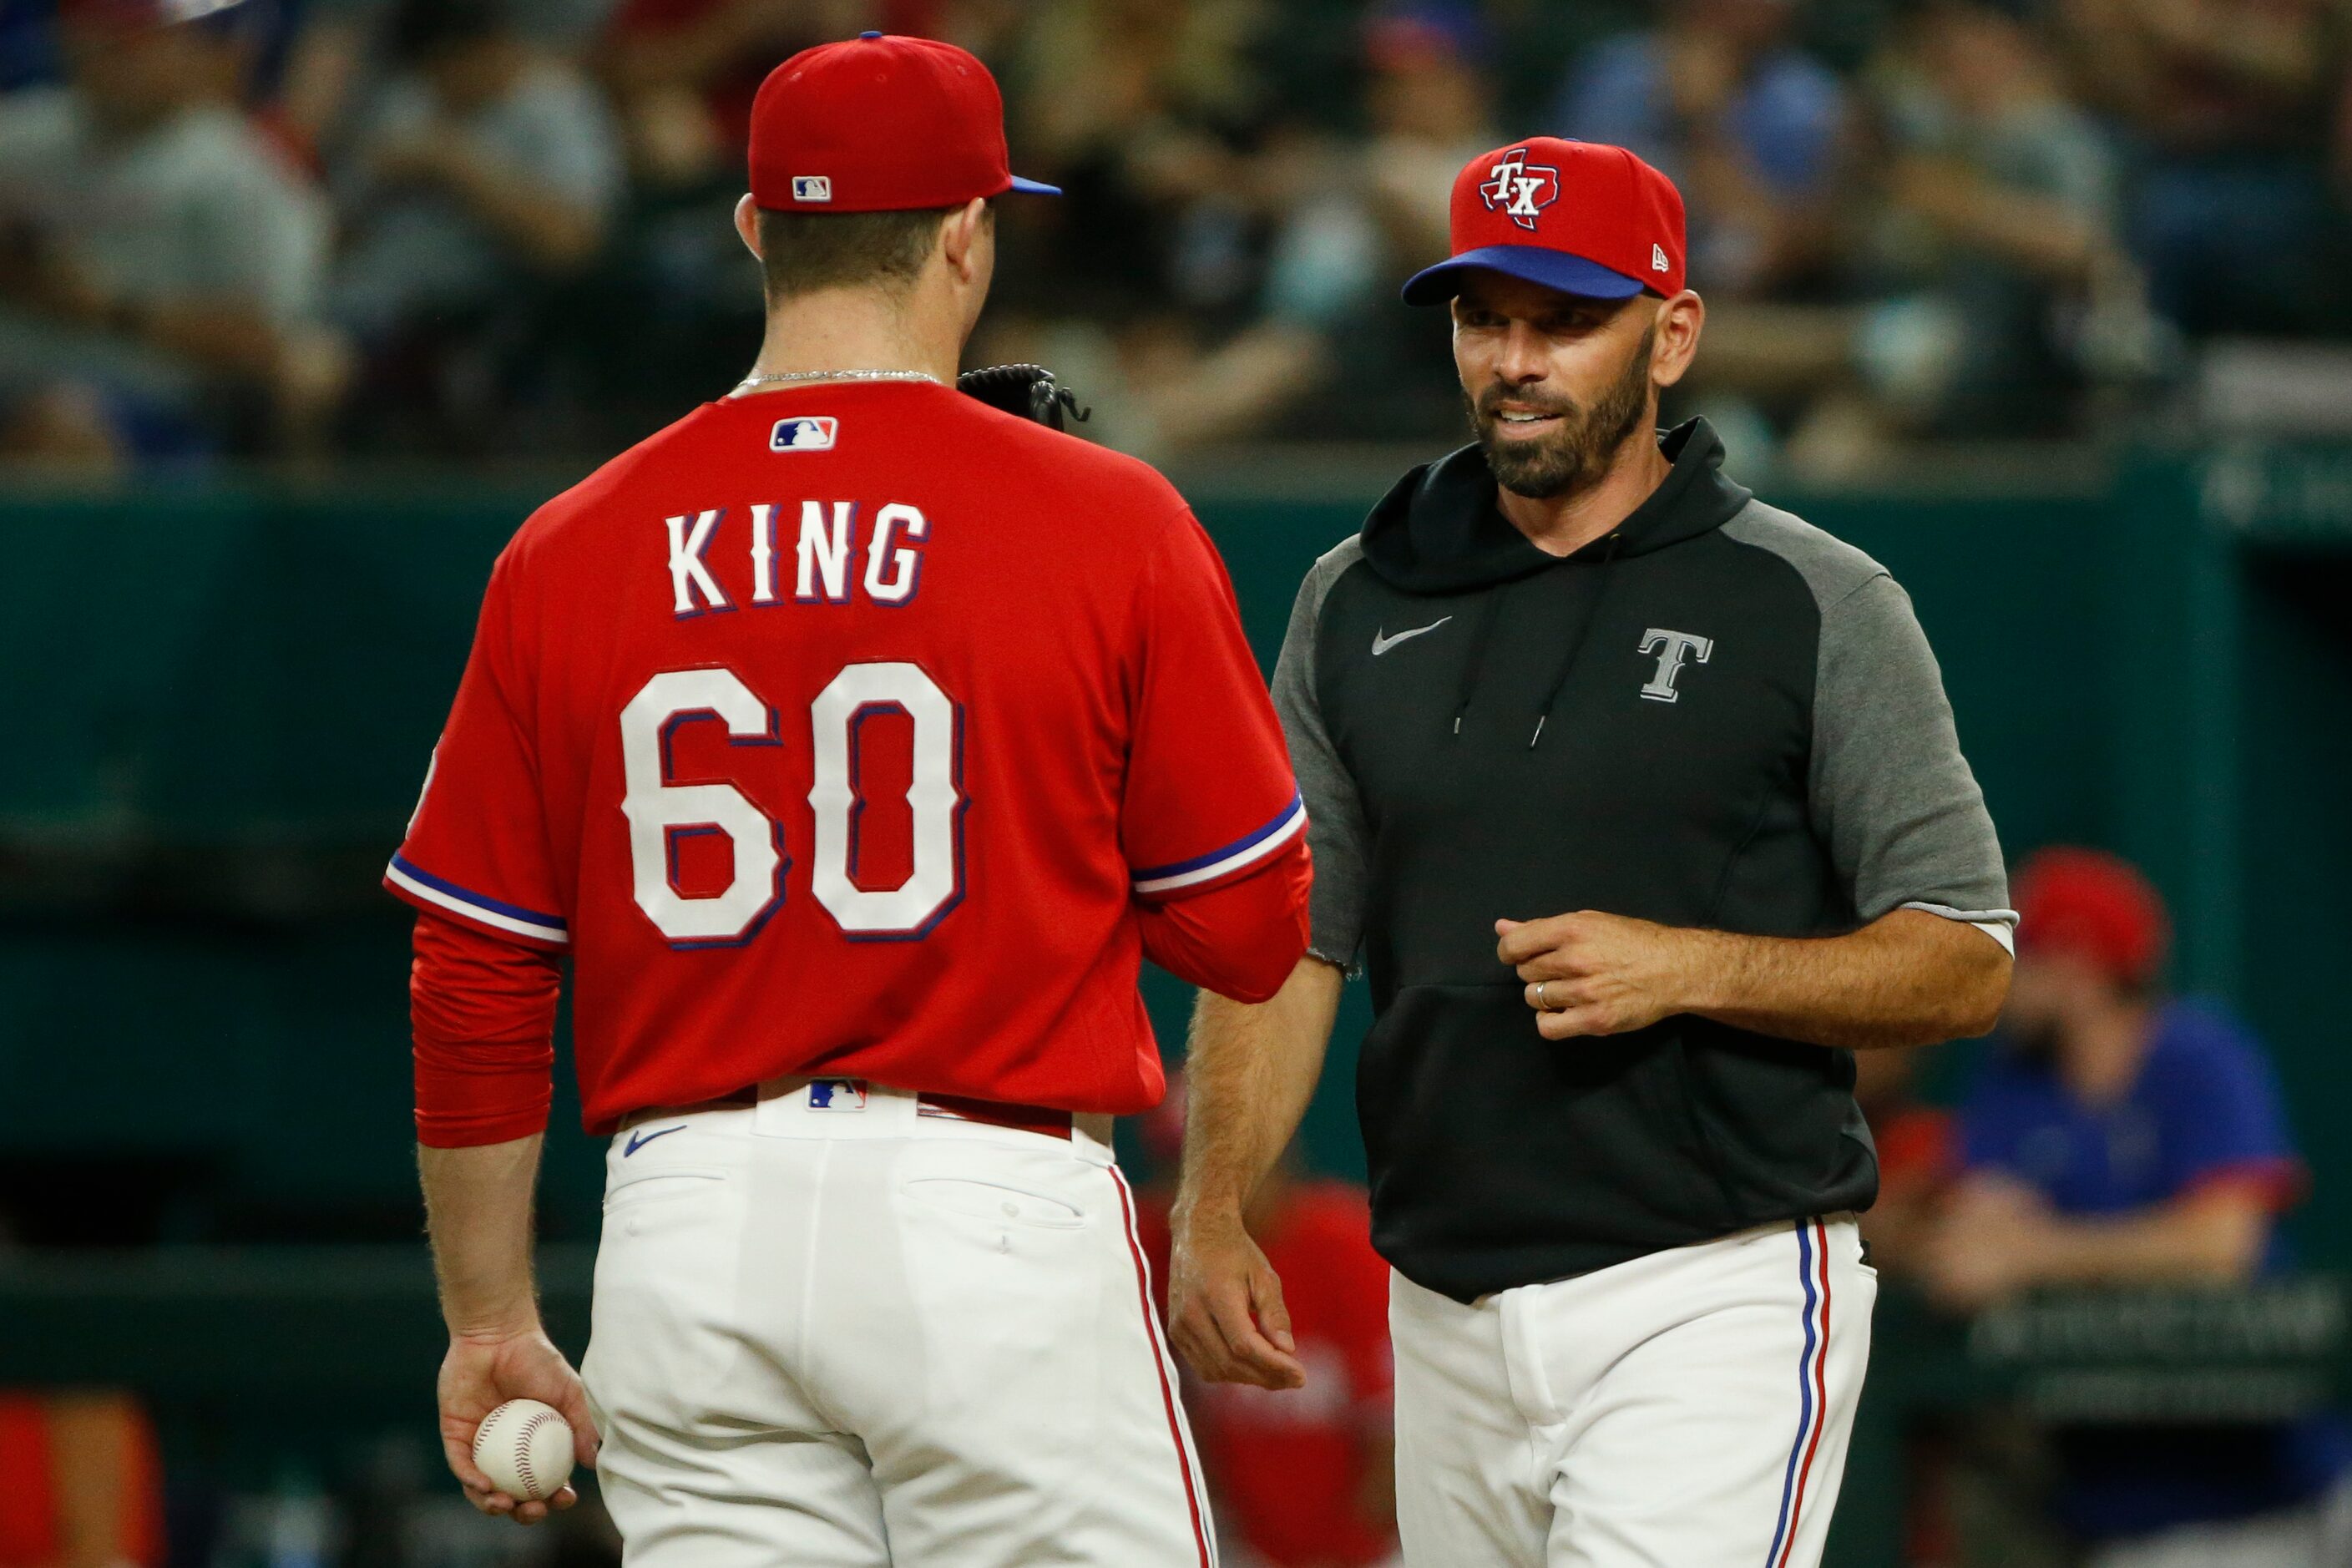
(1543, 1000)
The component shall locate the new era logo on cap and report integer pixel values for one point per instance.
(812, 188)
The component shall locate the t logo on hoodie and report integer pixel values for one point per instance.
(1672, 649)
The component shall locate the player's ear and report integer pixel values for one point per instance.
(962, 238)
(1675, 342)
(747, 224)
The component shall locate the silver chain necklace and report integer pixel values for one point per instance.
(798, 376)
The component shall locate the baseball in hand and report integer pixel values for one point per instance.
(525, 1448)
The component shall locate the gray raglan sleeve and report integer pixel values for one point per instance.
(1892, 795)
(1336, 833)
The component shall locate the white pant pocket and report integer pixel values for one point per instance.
(994, 1202)
(654, 1185)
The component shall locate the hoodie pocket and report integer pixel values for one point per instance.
(1482, 1134)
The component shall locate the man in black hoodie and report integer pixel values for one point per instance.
(1641, 805)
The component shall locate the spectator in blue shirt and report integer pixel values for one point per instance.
(1746, 123)
(2119, 1138)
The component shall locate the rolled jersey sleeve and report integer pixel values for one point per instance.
(1336, 831)
(1891, 796)
(1208, 797)
(482, 1021)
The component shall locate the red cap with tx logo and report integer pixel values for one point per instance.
(879, 124)
(1579, 216)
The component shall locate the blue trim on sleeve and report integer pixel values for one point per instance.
(1259, 836)
(466, 895)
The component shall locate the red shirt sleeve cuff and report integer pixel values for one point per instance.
(2280, 1181)
(460, 1131)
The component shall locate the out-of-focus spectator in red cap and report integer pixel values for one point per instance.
(2117, 1135)
(1305, 1478)
(2122, 1138)
(155, 249)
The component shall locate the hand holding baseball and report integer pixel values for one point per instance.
(478, 1377)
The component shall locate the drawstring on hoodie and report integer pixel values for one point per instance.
(1439, 535)
(1489, 605)
(1583, 636)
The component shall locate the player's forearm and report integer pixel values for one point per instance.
(1907, 978)
(2216, 1239)
(1249, 1073)
(477, 1211)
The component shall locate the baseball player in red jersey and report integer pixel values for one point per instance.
(856, 739)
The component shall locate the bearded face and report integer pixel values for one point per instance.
(1541, 445)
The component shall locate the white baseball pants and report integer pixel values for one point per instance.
(845, 1335)
(1687, 1409)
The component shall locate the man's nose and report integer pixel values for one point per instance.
(1524, 360)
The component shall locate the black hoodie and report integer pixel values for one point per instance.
(1716, 716)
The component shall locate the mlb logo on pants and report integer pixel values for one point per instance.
(804, 433)
(836, 1094)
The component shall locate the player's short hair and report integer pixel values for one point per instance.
(802, 252)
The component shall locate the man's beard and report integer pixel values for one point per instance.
(1577, 455)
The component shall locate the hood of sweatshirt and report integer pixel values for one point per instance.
(1438, 530)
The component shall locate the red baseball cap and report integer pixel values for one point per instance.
(879, 124)
(1579, 216)
(2095, 905)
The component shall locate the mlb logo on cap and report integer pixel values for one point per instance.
(1579, 216)
(804, 433)
(836, 1094)
(878, 123)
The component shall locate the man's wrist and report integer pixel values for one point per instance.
(1205, 1208)
(1706, 973)
(495, 1328)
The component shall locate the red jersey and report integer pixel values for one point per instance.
(837, 732)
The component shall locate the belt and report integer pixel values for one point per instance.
(1042, 1119)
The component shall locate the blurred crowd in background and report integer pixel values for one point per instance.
(457, 229)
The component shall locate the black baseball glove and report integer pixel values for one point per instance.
(1026, 391)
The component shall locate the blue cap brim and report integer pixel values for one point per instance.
(1034, 188)
(1536, 264)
